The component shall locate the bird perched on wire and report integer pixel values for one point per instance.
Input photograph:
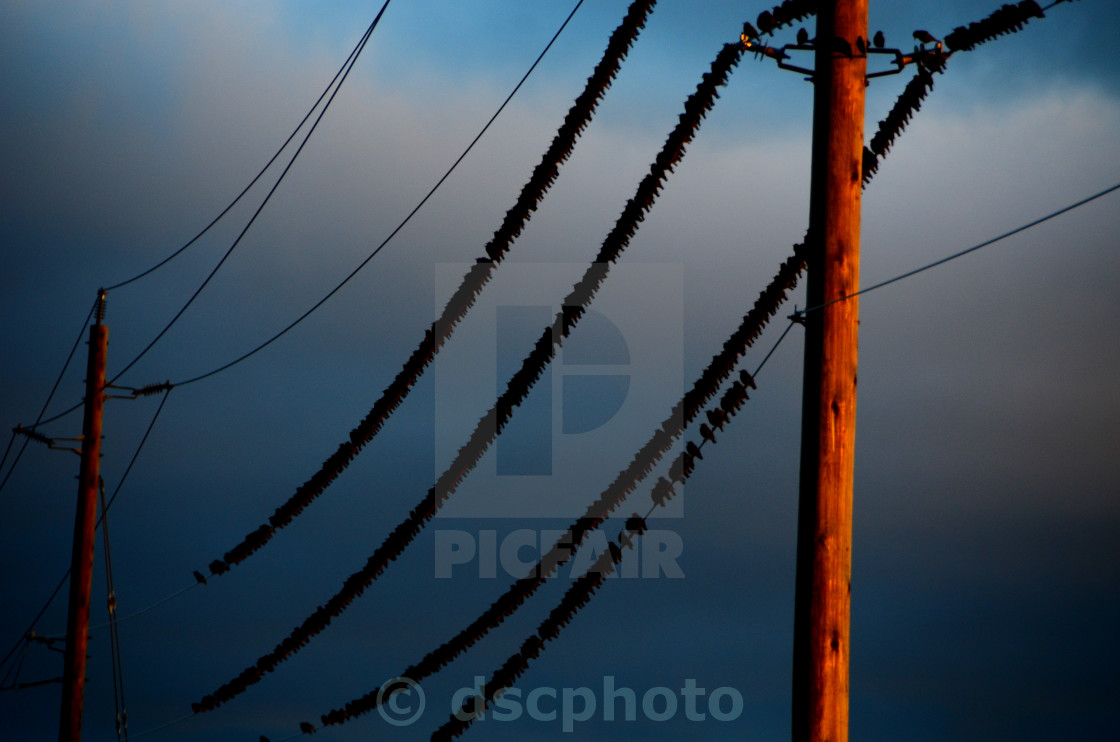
(616, 552)
(879, 40)
(717, 417)
(749, 31)
(636, 524)
(802, 37)
(766, 22)
(924, 37)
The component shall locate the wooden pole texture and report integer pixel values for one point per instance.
(824, 540)
(81, 567)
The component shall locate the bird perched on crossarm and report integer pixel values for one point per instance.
(924, 37)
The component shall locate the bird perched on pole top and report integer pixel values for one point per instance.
(879, 40)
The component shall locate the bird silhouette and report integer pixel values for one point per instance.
(718, 418)
(924, 37)
(802, 37)
(749, 31)
(766, 22)
(706, 433)
(692, 450)
(198, 576)
(861, 46)
(306, 727)
(616, 553)
(841, 46)
(879, 40)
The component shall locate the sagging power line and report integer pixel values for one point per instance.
(573, 307)
(541, 180)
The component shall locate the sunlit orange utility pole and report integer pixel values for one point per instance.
(822, 618)
(81, 566)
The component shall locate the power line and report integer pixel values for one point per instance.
(353, 52)
(574, 305)
(268, 196)
(348, 66)
(581, 592)
(544, 174)
(108, 505)
(161, 727)
(681, 416)
(583, 589)
(198, 378)
(626, 482)
(966, 251)
(397, 229)
(39, 419)
(119, 705)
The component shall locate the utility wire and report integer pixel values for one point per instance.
(268, 196)
(581, 592)
(351, 61)
(119, 705)
(161, 727)
(643, 462)
(573, 307)
(24, 637)
(397, 229)
(353, 52)
(54, 594)
(583, 589)
(108, 505)
(966, 251)
(534, 191)
(39, 419)
(718, 370)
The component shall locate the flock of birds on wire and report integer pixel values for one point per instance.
(932, 59)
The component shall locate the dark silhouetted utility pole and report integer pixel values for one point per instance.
(81, 566)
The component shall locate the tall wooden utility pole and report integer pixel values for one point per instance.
(824, 534)
(81, 565)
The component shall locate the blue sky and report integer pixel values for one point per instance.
(985, 577)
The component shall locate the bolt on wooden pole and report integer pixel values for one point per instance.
(824, 539)
(81, 566)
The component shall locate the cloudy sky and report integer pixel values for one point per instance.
(986, 567)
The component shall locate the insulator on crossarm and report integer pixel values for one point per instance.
(99, 307)
(33, 434)
(150, 389)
